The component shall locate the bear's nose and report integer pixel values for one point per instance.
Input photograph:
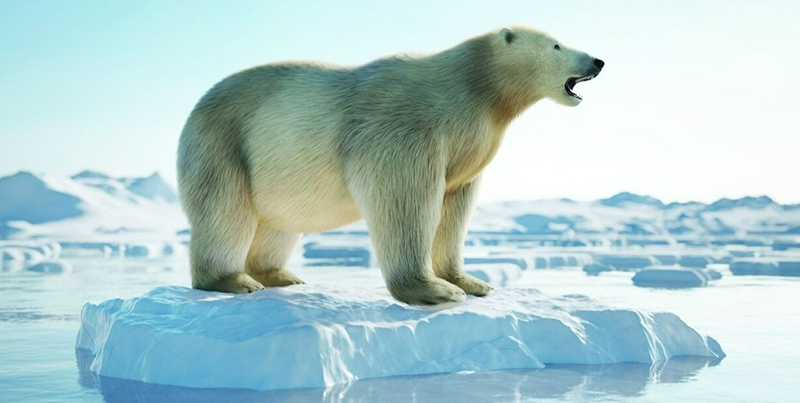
(599, 63)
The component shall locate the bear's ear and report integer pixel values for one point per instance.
(508, 35)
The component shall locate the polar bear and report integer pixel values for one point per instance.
(283, 149)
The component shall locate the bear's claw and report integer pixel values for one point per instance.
(431, 291)
(236, 283)
(276, 278)
(473, 286)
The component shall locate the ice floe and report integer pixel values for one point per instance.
(594, 269)
(626, 262)
(675, 277)
(51, 266)
(317, 336)
(520, 262)
(498, 275)
(766, 266)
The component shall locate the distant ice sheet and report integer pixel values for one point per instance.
(316, 336)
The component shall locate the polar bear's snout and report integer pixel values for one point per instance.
(592, 70)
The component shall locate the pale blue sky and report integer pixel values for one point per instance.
(696, 101)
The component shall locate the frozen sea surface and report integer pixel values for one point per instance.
(753, 318)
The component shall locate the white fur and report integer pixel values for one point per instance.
(279, 150)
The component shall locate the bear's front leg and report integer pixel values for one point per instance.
(400, 198)
(448, 245)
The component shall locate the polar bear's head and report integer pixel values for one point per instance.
(534, 65)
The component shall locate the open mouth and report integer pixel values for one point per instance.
(572, 81)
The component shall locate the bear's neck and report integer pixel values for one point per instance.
(476, 111)
(485, 95)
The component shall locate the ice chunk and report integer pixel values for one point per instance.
(628, 262)
(674, 277)
(594, 269)
(146, 250)
(20, 253)
(789, 267)
(141, 250)
(766, 266)
(712, 274)
(170, 248)
(498, 275)
(347, 254)
(31, 249)
(11, 255)
(51, 266)
(316, 336)
(508, 259)
(667, 259)
(557, 260)
(786, 245)
(695, 261)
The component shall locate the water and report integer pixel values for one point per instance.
(755, 319)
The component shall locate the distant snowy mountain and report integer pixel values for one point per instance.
(631, 214)
(94, 204)
(88, 174)
(86, 204)
(153, 188)
(626, 198)
(747, 202)
(27, 197)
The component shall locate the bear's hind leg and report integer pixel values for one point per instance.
(448, 245)
(218, 254)
(215, 193)
(269, 252)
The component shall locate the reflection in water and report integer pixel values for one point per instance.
(555, 381)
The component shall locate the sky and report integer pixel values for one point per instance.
(696, 101)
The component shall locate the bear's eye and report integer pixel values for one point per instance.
(557, 47)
